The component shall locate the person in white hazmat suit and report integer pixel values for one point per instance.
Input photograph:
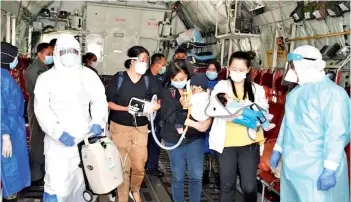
(313, 134)
(63, 95)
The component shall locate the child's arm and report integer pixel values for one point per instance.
(180, 128)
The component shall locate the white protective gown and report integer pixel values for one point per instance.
(62, 98)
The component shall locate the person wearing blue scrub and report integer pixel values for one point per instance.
(15, 171)
(314, 133)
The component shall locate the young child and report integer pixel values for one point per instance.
(199, 99)
(231, 105)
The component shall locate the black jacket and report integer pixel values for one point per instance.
(172, 114)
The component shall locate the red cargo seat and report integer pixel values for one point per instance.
(347, 150)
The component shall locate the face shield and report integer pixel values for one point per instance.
(69, 57)
(290, 74)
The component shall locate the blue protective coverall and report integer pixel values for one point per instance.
(15, 171)
(316, 127)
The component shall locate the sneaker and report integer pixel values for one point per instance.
(155, 172)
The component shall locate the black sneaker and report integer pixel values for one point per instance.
(155, 172)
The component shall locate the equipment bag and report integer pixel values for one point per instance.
(308, 10)
(320, 10)
(334, 9)
(345, 6)
(298, 14)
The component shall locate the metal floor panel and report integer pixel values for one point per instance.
(153, 189)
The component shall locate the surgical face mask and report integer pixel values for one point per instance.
(141, 67)
(49, 60)
(94, 65)
(211, 75)
(14, 63)
(237, 76)
(163, 70)
(291, 76)
(180, 84)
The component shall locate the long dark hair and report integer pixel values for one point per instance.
(248, 92)
(134, 51)
(173, 69)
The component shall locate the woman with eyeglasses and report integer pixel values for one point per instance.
(189, 155)
(128, 132)
(230, 139)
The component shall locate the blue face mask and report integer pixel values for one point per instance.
(49, 60)
(180, 84)
(163, 70)
(211, 75)
(14, 64)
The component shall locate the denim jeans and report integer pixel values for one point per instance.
(189, 156)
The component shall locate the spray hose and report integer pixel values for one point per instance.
(152, 118)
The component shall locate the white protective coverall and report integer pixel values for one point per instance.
(62, 98)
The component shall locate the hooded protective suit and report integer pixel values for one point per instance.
(15, 172)
(314, 133)
(63, 95)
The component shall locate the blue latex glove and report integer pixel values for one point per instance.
(275, 158)
(67, 139)
(249, 123)
(252, 114)
(96, 129)
(326, 180)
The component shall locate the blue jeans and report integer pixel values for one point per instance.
(189, 156)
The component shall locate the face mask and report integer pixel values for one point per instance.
(211, 75)
(14, 64)
(70, 60)
(291, 76)
(163, 70)
(94, 65)
(237, 76)
(49, 60)
(180, 84)
(141, 67)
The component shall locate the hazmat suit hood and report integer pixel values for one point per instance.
(8, 54)
(309, 70)
(67, 55)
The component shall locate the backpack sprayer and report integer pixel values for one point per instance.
(137, 107)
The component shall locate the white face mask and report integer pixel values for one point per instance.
(291, 76)
(70, 60)
(141, 67)
(94, 65)
(237, 76)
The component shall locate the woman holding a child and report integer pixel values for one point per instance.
(189, 155)
(230, 139)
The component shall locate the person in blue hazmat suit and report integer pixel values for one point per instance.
(15, 171)
(313, 134)
(63, 95)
